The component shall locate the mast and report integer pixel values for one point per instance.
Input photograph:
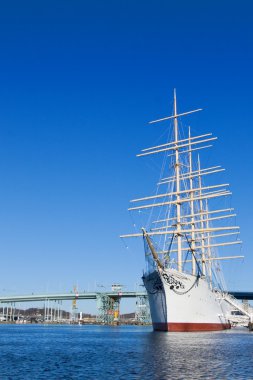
(192, 207)
(185, 193)
(203, 258)
(177, 175)
(209, 263)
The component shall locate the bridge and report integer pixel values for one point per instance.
(242, 295)
(108, 305)
(69, 296)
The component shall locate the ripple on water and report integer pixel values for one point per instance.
(115, 353)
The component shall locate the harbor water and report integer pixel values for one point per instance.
(122, 352)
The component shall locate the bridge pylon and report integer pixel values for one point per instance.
(108, 309)
(142, 313)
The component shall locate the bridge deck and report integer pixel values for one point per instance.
(242, 295)
(68, 296)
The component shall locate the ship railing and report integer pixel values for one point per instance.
(237, 305)
(238, 319)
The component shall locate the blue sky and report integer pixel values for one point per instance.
(78, 82)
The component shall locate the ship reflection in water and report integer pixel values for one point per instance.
(211, 355)
(123, 352)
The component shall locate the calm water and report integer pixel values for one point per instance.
(93, 352)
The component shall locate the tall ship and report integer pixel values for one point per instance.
(188, 219)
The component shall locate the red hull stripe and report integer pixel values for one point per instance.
(180, 327)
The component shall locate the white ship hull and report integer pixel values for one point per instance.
(182, 302)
